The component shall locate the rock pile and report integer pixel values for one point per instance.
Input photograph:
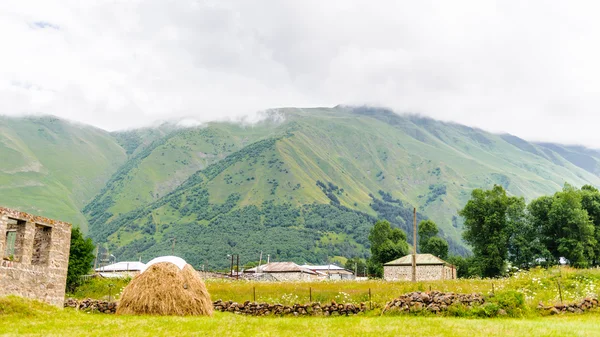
(265, 309)
(90, 305)
(579, 307)
(434, 301)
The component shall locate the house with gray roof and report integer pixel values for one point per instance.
(429, 268)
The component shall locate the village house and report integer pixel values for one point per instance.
(331, 272)
(284, 271)
(121, 269)
(34, 256)
(429, 268)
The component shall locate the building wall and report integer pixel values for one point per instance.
(37, 267)
(292, 276)
(424, 273)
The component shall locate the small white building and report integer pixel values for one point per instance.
(331, 272)
(121, 269)
(429, 268)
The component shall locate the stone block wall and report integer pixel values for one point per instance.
(424, 273)
(36, 267)
(292, 276)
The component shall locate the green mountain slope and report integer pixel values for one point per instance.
(53, 167)
(311, 185)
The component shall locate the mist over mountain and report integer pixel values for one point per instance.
(299, 184)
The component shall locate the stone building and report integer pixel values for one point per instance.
(284, 271)
(34, 256)
(429, 268)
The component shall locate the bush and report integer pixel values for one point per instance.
(512, 302)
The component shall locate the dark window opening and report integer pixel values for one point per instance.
(41, 245)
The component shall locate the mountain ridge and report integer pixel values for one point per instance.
(321, 165)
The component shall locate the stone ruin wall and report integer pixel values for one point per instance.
(37, 265)
(424, 273)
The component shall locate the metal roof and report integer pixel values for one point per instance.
(328, 268)
(280, 267)
(422, 259)
(322, 267)
(176, 260)
(122, 266)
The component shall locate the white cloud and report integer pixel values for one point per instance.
(529, 68)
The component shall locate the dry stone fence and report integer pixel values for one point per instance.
(313, 309)
(578, 307)
(433, 301)
(90, 305)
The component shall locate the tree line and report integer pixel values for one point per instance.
(505, 231)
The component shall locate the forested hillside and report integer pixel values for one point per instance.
(303, 184)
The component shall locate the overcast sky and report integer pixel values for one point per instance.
(531, 68)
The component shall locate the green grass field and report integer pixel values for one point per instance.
(24, 317)
(536, 285)
(28, 318)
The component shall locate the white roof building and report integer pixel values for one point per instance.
(125, 266)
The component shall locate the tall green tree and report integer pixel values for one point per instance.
(356, 264)
(590, 201)
(427, 229)
(81, 256)
(524, 244)
(436, 246)
(490, 218)
(387, 244)
(429, 242)
(574, 229)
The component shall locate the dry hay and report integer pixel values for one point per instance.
(164, 289)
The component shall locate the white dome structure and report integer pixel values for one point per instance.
(179, 262)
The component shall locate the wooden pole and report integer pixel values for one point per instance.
(414, 255)
(310, 294)
(254, 291)
(96, 259)
(559, 291)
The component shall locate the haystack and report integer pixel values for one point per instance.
(165, 289)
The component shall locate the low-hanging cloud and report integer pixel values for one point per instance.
(528, 68)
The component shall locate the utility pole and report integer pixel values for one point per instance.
(356, 269)
(96, 259)
(414, 255)
(237, 272)
(259, 263)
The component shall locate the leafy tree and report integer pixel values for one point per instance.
(356, 264)
(490, 218)
(81, 256)
(387, 244)
(427, 230)
(465, 267)
(524, 244)
(590, 201)
(575, 230)
(547, 235)
(429, 242)
(436, 246)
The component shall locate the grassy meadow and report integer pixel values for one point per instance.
(536, 285)
(29, 318)
(24, 317)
